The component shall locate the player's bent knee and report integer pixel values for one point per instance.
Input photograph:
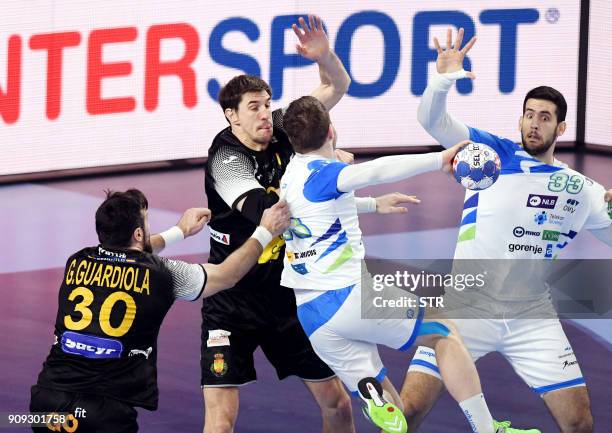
(582, 422)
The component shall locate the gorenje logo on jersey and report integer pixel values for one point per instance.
(535, 249)
(91, 346)
(519, 232)
(542, 201)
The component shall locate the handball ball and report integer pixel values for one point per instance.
(476, 166)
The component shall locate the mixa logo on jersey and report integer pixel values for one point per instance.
(535, 249)
(570, 205)
(519, 232)
(222, 238)
(542, 201)
(91, 346)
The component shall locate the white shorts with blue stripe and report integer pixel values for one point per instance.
(537, 349)
(347, 342)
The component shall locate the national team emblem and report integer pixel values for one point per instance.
(219, 366)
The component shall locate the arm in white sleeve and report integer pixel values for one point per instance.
(432, 113)
(604, 235)
(365, 204)
(387, 169)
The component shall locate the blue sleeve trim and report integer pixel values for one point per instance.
(322, 184)
(505, 148)
(425, 364)
(561, 385)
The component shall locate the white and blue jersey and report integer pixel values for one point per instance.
(533, 211)
(323, 244)
(323, 264)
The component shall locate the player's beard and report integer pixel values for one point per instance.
(539, 150)
(146, 243)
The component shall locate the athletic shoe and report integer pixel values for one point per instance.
(379, 411)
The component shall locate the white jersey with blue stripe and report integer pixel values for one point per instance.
(324, 248)
(533, 211)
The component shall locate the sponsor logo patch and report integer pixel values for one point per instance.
(222, 238)
(519, 232)
(535, 249)
(218, 337)
(550, 235)
(542, 201)
(91, 346)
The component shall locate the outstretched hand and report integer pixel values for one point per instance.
(388, 203)
(314, 44)
(450, 59)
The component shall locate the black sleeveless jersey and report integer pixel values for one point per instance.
(233, 171)
(111, 305)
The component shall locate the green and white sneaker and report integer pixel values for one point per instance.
(504, 427)
(377, 410)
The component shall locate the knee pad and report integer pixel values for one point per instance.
(424, 361)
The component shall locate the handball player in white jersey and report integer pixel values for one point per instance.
(534, 210)
(323, 265)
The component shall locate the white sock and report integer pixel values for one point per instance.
(477, 413)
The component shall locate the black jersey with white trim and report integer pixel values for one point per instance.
(232, 172)
(111, 305)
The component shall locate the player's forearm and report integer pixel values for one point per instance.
(335, 80)
(365, 204)
(387, 169)
(171, 236)
(236, 265)
(432, 114)
(604, 235)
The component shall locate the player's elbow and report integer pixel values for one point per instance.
(423, 117)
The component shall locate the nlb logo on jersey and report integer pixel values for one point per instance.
(91, 346)
(542, 201)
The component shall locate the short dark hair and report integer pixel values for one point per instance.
(548, 94)
(119, 215)
(306, 122)
(230, 95)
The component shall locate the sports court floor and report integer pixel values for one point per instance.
(44, 222)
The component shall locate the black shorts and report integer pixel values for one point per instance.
(89, 413)
(269, 322)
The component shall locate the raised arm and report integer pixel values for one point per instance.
(314, 45)
(393, 168)
(432, 114)
(274, 222)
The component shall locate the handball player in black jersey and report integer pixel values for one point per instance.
(245, 164)
(112, 301)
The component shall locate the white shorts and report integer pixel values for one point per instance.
(537, 349)
(347, 342)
